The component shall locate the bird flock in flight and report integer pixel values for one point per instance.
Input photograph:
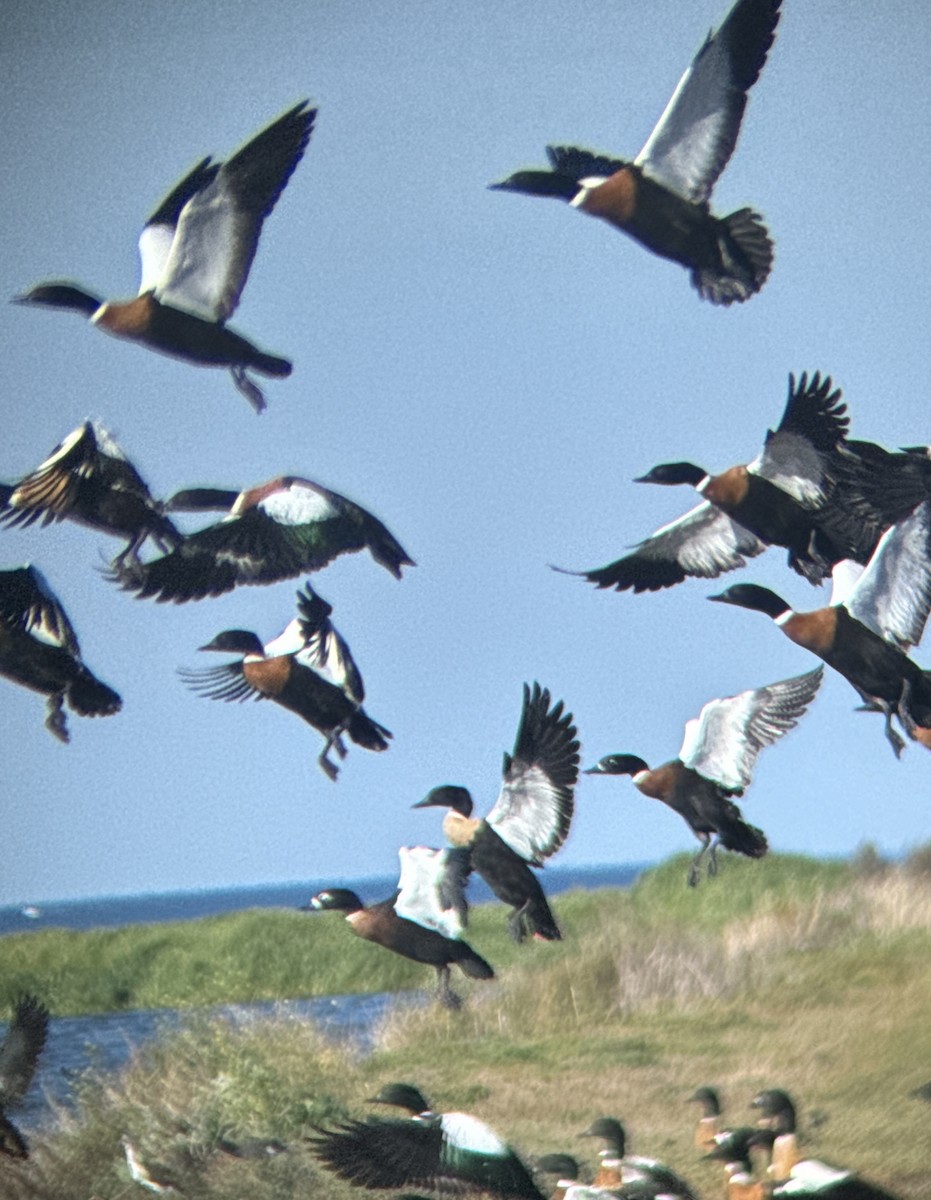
(842, 508)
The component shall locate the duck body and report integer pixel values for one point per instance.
(196, 251)
(424, 921)
(661, 198)
(291, 670)
(276, 530)
(39, 650)
(88, 479)
(630, 1173)
(530, 819)
(715, 763)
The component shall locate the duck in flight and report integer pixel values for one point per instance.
(196, 251)
(716, 763)
(661, 198)
(19, 1057)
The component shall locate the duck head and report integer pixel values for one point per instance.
(334, 900)
(777, 1112)
(236, 641)
(611, 1132)
(618, 764)
(61, 295)
(402, 1095)
(751, 595)
(674, 473)
(448, 796)
(708, 1099)
(539, 183)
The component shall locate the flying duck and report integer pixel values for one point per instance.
(276, 530)
(661, 199)
(451, 1152)
(87, 478)
(39, 650)
(812, 1179)
(530, 819)
(308, 669)
(866, 636)
(196, 251)
(19, 1056)
(796, 493)
(716, 762)
(423, 921)
(618, 1169)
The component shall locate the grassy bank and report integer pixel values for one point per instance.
(780, 973)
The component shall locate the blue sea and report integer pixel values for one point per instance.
(105, 1041)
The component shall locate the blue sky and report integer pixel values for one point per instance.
(486, 372)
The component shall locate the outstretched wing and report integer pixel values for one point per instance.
(697, 132)
(796, 455)
(220, 683)
(20, 1050)
(723, 742)
(893, 595)
(534, 807)
(431, 888)
(29, 604)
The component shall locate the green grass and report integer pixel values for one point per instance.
(788, 972)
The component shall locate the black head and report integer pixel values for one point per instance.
(674, 473)
(60, 295)
(335, 899)
(610, 1130)
(538, 183)
(448, 795)
(709, 1100)
(563, 1166)
(617, 764)
(235, 641)
(402, 1095)
(751, 595)
(776, 1110)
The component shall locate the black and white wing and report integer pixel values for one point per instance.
(893, 595)
(431, 888)
(697, 132)
(534, 807)
(795, 456)
(325, 649)
(20, 1049)
(29, 604)
(159, 231)
(703, 543)
(723, 741)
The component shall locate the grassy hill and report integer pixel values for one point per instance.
(788, 972)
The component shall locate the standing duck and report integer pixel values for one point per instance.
(716, 762)
(798, 493)
(661, 198)
(39, 650)
(618, 1169)
(866, 636)
(196, 251)
(423, 921)
(453, 1153)
(709, 1122)
(87, 478)
(273, 531)
(812, 1179)
(308, 670)
(530, 819)
(19, 1055)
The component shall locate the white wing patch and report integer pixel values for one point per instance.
(154, 250)
(526, 814)
(299, 505)
(197, 274)
(289, 641)
(893, 595)
(423, 874)
(468, 1133)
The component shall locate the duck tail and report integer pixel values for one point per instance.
(368, 733)
(270, 364)
(745, 254)
(534, 919)
(89, 697)
(473, 964)
(735, 833)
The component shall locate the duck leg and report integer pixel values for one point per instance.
(695, 868)
(444, 993)
(517, 926)
(331, 770)
(245, 385)
(56, 722)
(713, 856)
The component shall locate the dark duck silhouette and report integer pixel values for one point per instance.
(812, 1179)
(276, 530)
(617, 1169)
(530, 819)
(716, 762)
(802, 492)
(866, 636)
(308, 669)
(88, 479)
(19, 1056)
(39, 650)
(196, 251)
(424, 920)
(453, 1153)
(661, 198)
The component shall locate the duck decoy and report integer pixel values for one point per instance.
(619, 1169)
(812, 1179)
(154, 1177)
(710, 1121)
(797, 493)
(87, 478)
(277, 530)
(423, 921)
(292, 670)
(661, 198)
(196, 251)
(866, 636)
(19, 1056)
(451, 1152)
(530, 819)
(716, 762)
(39, 650)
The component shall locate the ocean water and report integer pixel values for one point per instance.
(106, 1041)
